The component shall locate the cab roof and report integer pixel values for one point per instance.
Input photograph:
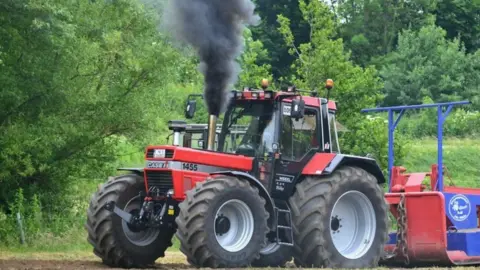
(248, 94)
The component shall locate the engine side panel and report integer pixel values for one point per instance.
(209, 158)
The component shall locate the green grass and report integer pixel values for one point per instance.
(460, 156)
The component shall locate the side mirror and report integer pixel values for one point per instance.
(298, 108)
(190, 108)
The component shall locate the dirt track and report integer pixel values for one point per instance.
(79, 260)
(84, 260)
(16, 264)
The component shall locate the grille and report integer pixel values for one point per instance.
(168, 153)
(162, 180)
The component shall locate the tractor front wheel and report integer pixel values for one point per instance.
(222, 223)
(340, 221)
(113, 240)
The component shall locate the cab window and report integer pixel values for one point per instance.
(298, 137)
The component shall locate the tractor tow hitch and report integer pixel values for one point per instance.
(110, 206)
(152, 214)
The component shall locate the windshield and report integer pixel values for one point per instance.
(244, 128)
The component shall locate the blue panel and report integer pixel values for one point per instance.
(392, 238)
(462, 210)
(466, 241)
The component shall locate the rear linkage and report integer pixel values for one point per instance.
(157, 211)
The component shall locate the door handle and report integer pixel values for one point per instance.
(284, 163)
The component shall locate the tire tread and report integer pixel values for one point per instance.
(309, 205)
(100, 230)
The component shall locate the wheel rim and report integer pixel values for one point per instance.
(353, 224)
(270, 248)
(233, 225)
(139, 238)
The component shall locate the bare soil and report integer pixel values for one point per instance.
(16, 264)
(83, 260)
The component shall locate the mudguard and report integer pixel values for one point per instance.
(326, 163)
(263, 192)
(138, 171)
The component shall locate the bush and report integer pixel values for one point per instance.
(370, 137)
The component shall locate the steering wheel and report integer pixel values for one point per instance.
(246, 149)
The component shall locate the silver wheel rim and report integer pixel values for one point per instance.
(234, 225)
(270, 248)
(353, 224)
(141, 238)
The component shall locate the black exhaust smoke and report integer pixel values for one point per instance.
(214, 28)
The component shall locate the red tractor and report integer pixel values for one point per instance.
(279, 191)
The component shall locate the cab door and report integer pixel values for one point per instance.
(298, 140)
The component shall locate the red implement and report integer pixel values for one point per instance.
(429, 232)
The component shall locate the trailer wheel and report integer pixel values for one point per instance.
(112, 239)
(222, 223)
(340, 221)
(274, 255)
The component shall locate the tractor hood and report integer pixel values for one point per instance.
(181, 158)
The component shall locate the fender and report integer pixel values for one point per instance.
(327, 163)
(263, 192)
(138, 171)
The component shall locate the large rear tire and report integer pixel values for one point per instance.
(274, 255)
(222, 223)
(340, 221)
(112, 239)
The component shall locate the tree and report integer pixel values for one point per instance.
(278, 57)
(77, 77)
(461, 19)
(355, 87)
(426, 64)
(370, 27)
(253, 71)
(323, 57)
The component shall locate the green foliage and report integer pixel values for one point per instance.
(96, 73)
(371, 138)
(370, 28)
(267, 33)
(460, 123)
(427, 65)
(355, 87)
(461, 19)
(460, 158)
(253, 71)
(323, 57)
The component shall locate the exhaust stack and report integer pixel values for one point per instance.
(212, 128)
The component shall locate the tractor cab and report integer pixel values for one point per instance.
(273, 123)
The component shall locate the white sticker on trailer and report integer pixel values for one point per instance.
(459, 207)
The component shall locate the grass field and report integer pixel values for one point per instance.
(460, 156)
(70, 250)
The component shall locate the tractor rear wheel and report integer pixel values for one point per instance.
(112, 239)
(222, 223)
(274, 255)
(340, 221)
